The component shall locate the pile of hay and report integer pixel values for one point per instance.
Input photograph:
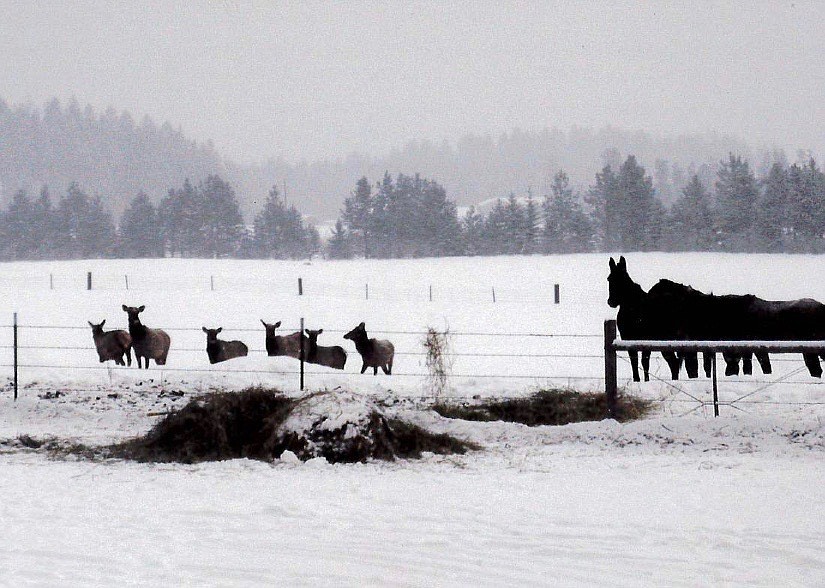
(547, 407)
(263, 424)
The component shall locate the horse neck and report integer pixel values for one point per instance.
(633, 297)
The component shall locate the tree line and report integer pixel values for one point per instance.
(410, 216)
(202, 220)
(782, 211)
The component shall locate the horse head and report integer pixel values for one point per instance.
(620, 285)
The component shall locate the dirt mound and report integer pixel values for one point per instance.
(262, 424)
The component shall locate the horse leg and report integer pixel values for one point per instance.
(707, 362)
(731, 364)
(691, 360)
(764, 361)
(646, 365)
(674, 362)
(634, 364)
(747, 363)
(812, 363)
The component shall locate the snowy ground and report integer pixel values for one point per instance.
(680, 498)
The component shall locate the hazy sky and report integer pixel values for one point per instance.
(312, 80)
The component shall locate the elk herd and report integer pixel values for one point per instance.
(154, 344)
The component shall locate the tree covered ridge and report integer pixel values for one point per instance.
(412, 216)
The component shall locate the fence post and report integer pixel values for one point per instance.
(301, 293)
(715, 387)
(212, 283)
(301, 339)
(494, 295)
(556, 293)
(367, 289)
(127, 281)
(15, 354)
(610, 391)
(431, 292)
(88, 280)
(51, 281)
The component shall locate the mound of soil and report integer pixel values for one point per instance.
(546, 407)
(262, 424)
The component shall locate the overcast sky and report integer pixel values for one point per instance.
(319, 80)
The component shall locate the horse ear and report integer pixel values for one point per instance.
(622, 263)
(612, 264)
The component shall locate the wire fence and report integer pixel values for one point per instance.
(566, 359)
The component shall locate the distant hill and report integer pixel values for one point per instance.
(111, 155)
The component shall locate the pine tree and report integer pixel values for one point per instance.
(691, 220)
(220, 224)
(472, 227)
(44, 227)
(634, 208)
(772, 210)
(807, 205)
(566, 226)
(532, 225)
(339, 245)
(736, 195)
(17, 223)
(140, 232)
(357, 212)
(601, 199)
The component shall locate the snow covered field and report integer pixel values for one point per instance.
(680, 498)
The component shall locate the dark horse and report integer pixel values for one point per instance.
(689, 314)
(634, 320)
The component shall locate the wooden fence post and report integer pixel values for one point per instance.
(301, 339)
(610, 388)
(556, 293)
(15, 354)
(431, 292)
(301, 293)
(127, 281)
(51, 281)
(88, 280)
(367, 289)
(212, 283)
(715, 387)
(494, 295)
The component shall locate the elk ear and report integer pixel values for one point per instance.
(91, 324)
(276, 325)
(219, 329)
(103, 322)
(204, 329)
(320, 331)
(141, 308)
(307, 331)
(263, 323)
(612, 264)
(124, 308)
(363, 326)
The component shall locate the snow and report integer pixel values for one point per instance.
(679, 498)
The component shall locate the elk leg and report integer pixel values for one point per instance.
(364, 368)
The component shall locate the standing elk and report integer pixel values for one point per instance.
(218, 350)
(334, 357)
(289, 345)
(147, 343)
(112, 344)
(375, 353)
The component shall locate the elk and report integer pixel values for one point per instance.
(283, 344)
(375, 353)
(112, 344)
(147, 343)
(334, 357)
(218, 350)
